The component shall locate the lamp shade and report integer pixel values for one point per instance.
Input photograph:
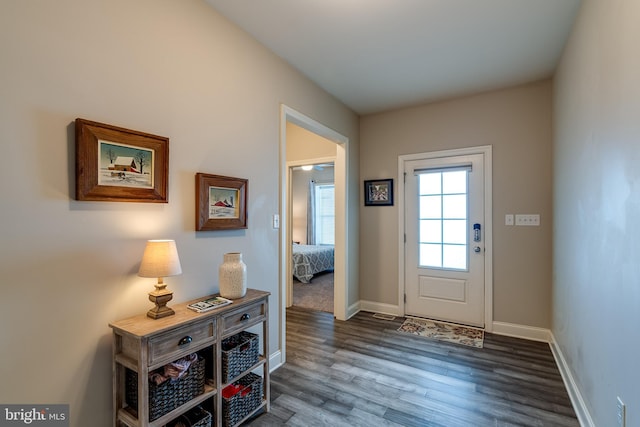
(160, 259)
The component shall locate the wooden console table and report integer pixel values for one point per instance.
(142, 344)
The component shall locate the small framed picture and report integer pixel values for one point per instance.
(378, 192)
(120, 165)
(221, 202)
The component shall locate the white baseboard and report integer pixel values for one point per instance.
(579, 405)
(545, 335)
(521, 331)
(379, 307)
(353, 309)
(275, 361)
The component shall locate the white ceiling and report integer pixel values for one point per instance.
(378, 55)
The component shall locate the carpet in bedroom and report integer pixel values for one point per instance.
(317, 295)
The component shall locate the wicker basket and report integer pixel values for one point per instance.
(166, 397)
(197, 417)
(238, 406)
(239, 353)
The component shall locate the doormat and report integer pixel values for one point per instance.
(448, 332)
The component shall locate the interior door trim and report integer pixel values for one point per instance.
(487, 152)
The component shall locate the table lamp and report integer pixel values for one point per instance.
(160, 259)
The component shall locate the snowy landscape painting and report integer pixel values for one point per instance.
(223, 203)
(123, 165)
(115, 164)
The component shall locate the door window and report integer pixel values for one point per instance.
(443, 219)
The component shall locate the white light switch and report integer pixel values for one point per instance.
(508, 219)
(276, 221)
(528, 219)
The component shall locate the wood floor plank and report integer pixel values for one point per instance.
(363, 372)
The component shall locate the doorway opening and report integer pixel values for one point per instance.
(312, 222)
(341, 264)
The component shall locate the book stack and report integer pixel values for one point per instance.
(209, 304)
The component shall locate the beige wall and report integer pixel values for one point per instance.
(176, 69)
(305, 145)
(517, 123)
(597, 207)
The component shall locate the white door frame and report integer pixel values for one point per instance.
(341, 264)
(486, 151)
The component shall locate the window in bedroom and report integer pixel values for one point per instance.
(324, 214)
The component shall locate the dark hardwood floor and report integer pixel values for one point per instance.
(363, 373)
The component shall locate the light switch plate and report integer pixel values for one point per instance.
(528, 219)
(508, 219)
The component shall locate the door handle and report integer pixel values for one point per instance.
(476, 249)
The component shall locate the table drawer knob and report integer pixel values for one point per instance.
(185, 340)
(245, 317)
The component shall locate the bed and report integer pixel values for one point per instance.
(311, 259)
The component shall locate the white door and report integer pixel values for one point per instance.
(444, 249)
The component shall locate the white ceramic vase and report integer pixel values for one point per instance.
(232, 276)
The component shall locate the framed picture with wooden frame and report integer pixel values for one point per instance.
(221, 202)
(115, 164)
(378, 192)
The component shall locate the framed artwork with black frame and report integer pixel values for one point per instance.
(378, 192)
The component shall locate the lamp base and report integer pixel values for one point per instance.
(160, 312)
(160, 297)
